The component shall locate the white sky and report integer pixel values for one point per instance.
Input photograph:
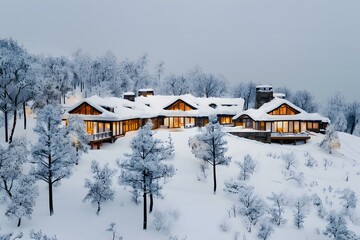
(307, 44)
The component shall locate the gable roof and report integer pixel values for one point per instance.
(153, 106)
(262, 113)
(180, 100)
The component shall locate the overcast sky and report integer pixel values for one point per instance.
(302, 44)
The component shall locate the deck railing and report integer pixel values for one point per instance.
(100, 136)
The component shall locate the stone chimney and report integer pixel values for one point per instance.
(129, 96)
(146, 92)
(264, 94)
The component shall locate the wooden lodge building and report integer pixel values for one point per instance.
(109, 118)
(106, 119)
(281, 118)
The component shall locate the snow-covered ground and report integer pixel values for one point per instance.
(200, 211)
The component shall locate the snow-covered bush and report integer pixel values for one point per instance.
(349, 199)
(327, 163)
(265, 231)
(224, 226)
(40, 236)
(164, 221)
(277, 208)
(289, 160)
(337, 228)
(247, 167)
(100, 188)
(295, 176)
(310, 160)
(23, 199)
(112, 229)
(318, 203)
(10, 236)
(331, 140)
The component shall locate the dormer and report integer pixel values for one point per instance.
(284, 109)
(180, 105)
(85, 109)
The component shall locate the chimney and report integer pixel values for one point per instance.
(264, 94)
(129, 96)
(146, 92)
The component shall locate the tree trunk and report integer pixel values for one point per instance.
(64, 98)
(214, 173)
(98, 209)
(24, 110)
(51, 205)
(145, 203)
(14, 125)
(151, 202)
(19, 222)
(6, 125)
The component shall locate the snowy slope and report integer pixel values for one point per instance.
(200, 211)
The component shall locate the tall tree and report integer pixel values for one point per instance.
(336, 110)
(207, 85)
(176, 85)
(246, 91)
(145, 165)
(14, 79)
(210, 145)
(352, 116)
(53, 154)
(305, 100)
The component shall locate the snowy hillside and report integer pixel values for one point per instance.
(200, 212)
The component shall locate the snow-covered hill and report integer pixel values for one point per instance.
(200, 211)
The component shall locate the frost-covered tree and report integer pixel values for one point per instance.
(305, 100)
(16, 82)
(10, 236)
(23, 199)
(349, 199)
(100, 190)
(59, 71)
(277, 208)
(265, 231)
(11, 161)
(206, 85)
(336, 110)
(246, 91)
(210, 145)
(247, 167)
(337, 228)
(352, 116)
(145, 165)
(250, 205)
(40, 236)
(176, 85)
(331, 140)
(77, 134)
(310, 161)
(53, 154)
(135, 74)
(300, 212)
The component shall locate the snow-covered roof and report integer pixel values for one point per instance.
(261, 114)
(263, 86)
(279, 95)
(146, 90)
(153, 106)
(128, 94)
